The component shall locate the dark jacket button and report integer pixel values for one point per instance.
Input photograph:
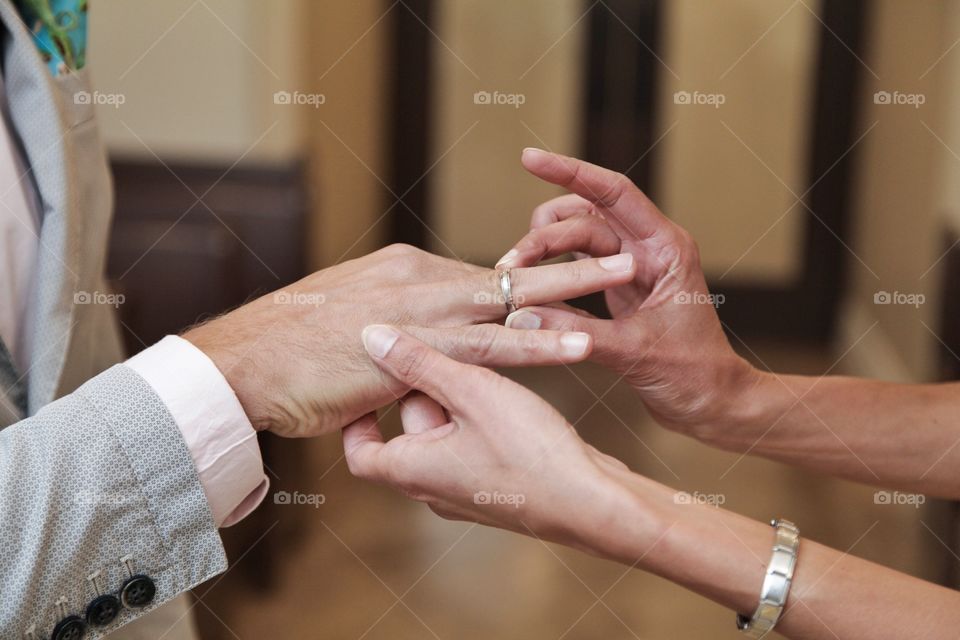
(102, 610)
(138, 592)
(70, 628)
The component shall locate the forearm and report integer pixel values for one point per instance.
(723, 556)
(895, 435)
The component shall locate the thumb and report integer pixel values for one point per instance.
(418, 366)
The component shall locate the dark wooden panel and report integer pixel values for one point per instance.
(410, 118)
(178, 261)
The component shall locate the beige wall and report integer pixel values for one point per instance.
(735, 195)
(348, 136)
(198, 78)
(198, 81)
(481, 197)
(904, 187)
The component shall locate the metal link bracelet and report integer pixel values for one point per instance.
(776, 582)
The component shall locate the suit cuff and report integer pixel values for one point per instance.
(220, 438)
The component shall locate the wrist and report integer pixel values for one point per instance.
(740, 404)
(624, 520)
(236, 366)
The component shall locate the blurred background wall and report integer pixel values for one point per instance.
(812, 148)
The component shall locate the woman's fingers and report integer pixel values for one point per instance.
(491, 345)
(420, 413)
(584, 233)
(560, 208)
(609, 336)
(622, 203)
(420, 367)
(362, 446)
(548, 283)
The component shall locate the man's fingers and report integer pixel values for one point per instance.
(548, 283)
(621, 201)
(608, 335)
(420, 413)
(582, 233)
(362, 445)
(491, 345)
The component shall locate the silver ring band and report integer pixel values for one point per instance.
(507, 290)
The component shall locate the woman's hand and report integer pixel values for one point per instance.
(482, 448)
(295, 360)
(665, 337)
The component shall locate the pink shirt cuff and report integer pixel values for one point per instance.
(221, 440)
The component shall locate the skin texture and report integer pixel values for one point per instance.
(666, 340)
(526, 470)
(295, 360)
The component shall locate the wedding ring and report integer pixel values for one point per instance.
(507, 290)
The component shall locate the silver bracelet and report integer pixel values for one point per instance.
(776, 583)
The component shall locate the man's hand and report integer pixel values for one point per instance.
(665, 337)
(482, 448)
(295, 360)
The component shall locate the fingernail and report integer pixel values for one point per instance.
(574, 343)
(532, 150)
(508, 256)
(378, 339)
(620, 262)
(522, 320)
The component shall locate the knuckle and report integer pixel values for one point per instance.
(576, 272)
(614, 190)
(483, 341)
(355, 463)
(404, 260)
(688, 247)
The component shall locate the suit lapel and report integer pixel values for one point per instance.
(42, 125)
(13, 396)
